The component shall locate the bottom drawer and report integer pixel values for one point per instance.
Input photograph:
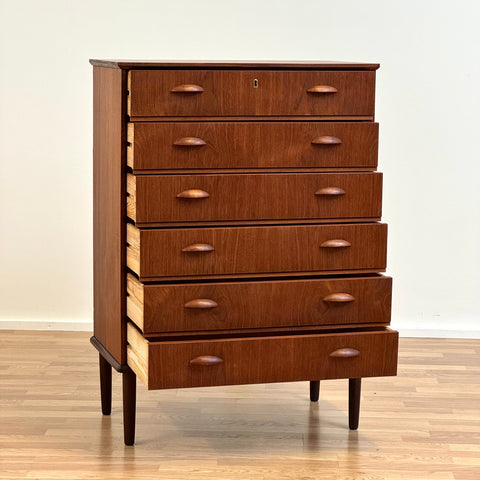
(197, 363)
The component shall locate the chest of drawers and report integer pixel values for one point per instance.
(236, 227)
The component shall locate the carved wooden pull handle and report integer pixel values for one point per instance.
(189, 142)
(336, 243)
(198, 247)
(345, 353)
(326, 140)
(322, 89)
(336, 191)
(193, 193)
(206, 360)
(201, 303)
(339, 298)
(187, 89)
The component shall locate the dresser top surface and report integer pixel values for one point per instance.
(234, 64)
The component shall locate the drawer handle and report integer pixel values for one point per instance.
(326, 140)
(187, 89)
(339, 298)
(322, 89)
(198, 247)
(345, 353)
(193, 193)
(201, 303)
(336, 243)
(336, 191)
(206, 360)
(189, 142)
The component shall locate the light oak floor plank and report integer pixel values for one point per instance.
(423, 424)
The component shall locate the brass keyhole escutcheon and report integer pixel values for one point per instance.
(255, 83)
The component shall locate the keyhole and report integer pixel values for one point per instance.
(255, 83)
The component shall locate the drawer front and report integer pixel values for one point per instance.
(258, 304)
(177, 364)
(249, 145)
(193, 252)
(158, 93)
(197, 198)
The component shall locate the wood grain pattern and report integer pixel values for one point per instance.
(242, 145)
(266, 359)
(138, 355)
(135, 300)
(109, 210)
(232, 93)
(186, 198)
(259, 304)
(51, 427)
(246, 250)
(134, 254)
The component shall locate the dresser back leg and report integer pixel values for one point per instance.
(354, 390)
(105, 385)
(129, 381)
(314, 390)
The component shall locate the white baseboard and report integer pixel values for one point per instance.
(87, 326)
(72, 326)
(433, 333)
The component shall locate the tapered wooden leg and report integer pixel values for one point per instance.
(129, 380)
(354, 390)
(314, 390)
(105, 385)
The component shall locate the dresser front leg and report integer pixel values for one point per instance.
(105, 385)
(354, 390)
(314, 390)
(129, 381)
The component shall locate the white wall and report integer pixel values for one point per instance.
(428, 106)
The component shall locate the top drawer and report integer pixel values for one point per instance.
(191, 93)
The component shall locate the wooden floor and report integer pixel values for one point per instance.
(423, 424)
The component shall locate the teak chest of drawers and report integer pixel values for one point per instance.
(236, 227)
